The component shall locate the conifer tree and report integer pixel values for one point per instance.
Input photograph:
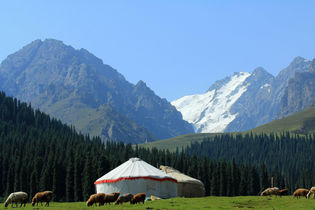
(69, 179)
(244, 181)
(58, 181)
(235, 178)
(230, 187)
(254, 186)
(215, 181)
(88, 179)
(77, 177)
(223, 179)
(264, 182)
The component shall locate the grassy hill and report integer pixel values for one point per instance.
(179, 141)
(302, 122)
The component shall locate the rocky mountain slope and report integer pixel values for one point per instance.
(242, 101)
(299, 93)
(76, 87)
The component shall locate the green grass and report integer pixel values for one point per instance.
(241, 202)
(177, 142)
(301, 122)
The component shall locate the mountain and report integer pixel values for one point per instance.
(300, 92)
(302, 123)
(240, 102)
(76, 87)
(210, 112)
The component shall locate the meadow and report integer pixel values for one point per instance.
(211, 202)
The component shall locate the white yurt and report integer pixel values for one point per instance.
(187, 186)
(136, 176)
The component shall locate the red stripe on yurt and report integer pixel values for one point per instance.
(133, 178)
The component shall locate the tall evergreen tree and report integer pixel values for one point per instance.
(244, 181)
(264, 181)
(235, 178)
(88, 179)
(223, 179)
(215, 181)
(254, 186)
(70, 178)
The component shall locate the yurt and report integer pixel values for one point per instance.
(187, 186)
(136, 176)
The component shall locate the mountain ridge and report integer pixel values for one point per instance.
(258, 104)
(55, 76)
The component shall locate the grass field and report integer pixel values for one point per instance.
(178, 142)
(241, 202)
(303, 122)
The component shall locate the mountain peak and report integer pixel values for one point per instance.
(73, 85)
(140, 83)
(141, 88)
(298, 64)
(298, 59)
(259, 70)
(219, 83)
(53, 41)
(47, 42)
(35, 42)
(261, 73)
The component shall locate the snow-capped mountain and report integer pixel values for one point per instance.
(210, 112)
(239, 102)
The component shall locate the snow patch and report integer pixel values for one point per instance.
(265, 86)
(210, 112)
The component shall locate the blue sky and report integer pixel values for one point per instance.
(176, 47)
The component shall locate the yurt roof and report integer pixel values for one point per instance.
(179, 176)
(134, 168)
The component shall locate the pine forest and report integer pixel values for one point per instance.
(41, 153)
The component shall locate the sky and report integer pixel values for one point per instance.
(177, 47)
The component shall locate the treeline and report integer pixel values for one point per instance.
(40, 153)
(288, 155)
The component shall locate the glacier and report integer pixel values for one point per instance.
(211, 112)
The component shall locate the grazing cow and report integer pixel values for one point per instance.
(284, 192)
(300, 192)
(96, 198)
(271, 191)
(112, 197)
(16, 197)
(312, 191)
(45, 196)
(124, 198)
(140, 197)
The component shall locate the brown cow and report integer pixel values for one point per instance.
(140, 197)
(124, 198)
(284, 192)
(96, 198)
(45, 196)
(112, 197)
(300, 192)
